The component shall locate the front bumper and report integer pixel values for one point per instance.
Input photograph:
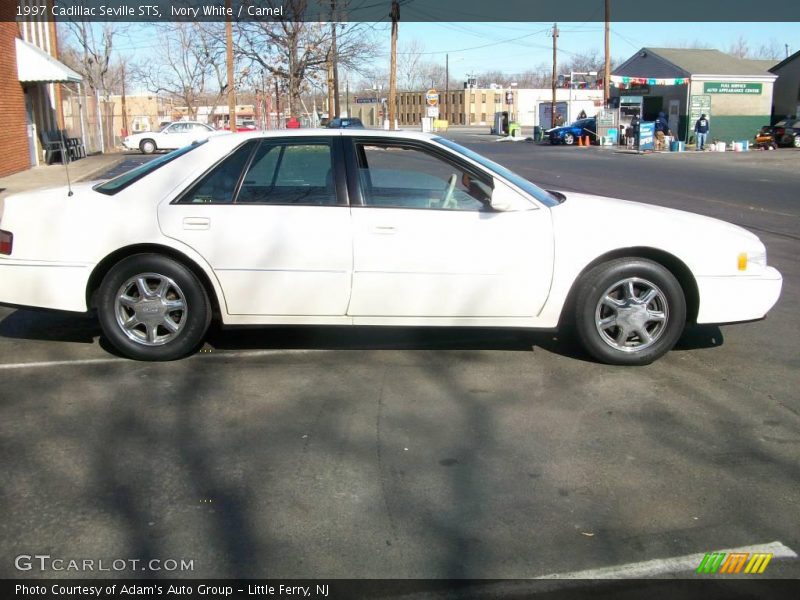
(58, 286)
(738, 297)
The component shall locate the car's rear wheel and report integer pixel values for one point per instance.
(153, 308)
(629, 311)
(569, 139)
(796, 141)
(147, 146)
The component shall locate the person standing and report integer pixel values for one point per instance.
(701, 132)
(662, 131)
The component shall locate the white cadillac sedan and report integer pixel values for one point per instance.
(169, 137)
(358, 227)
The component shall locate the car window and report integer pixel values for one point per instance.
(285, 172)
(399, 175)
(543, 196)
(177, 128)
(218, 186)
(112, 186)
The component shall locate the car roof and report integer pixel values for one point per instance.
(233, 139)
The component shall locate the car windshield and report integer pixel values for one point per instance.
(112, 186)
(541, 195)
(163, 127)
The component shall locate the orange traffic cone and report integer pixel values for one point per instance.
(587, 141)
(580, 141)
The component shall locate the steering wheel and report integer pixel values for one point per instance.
(447, 198)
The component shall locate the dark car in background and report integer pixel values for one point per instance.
(345, 123)
(787, 132)
(569, 134)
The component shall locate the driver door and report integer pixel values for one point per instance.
(427, 244)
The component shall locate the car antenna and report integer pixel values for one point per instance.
(65, 160)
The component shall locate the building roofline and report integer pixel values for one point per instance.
(784, 62)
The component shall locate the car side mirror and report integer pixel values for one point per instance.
(507, 199)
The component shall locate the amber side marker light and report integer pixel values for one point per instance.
(6, 242)
(743, 261)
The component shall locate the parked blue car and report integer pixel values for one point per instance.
(569, 134)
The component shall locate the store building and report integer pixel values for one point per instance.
(735, 93)
(477, 106)
(786, 94)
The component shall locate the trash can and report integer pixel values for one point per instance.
(538, 133)
(514, 130)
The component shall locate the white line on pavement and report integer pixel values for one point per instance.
(662, 566)
(198, 356)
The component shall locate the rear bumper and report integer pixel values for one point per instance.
(59, 286)
(738, 298)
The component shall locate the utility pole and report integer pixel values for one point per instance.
(607, 66)
(555, 76)
(445, 105)
(124, 107)
(335, 61)
(395, 15)
(278, 105)
(231, 90)
(787, 50)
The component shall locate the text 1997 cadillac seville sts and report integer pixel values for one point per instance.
(364, 227)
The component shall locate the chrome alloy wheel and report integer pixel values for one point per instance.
(632, 314)
(150, 309)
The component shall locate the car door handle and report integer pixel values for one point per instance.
(384, 229)
(196, 223)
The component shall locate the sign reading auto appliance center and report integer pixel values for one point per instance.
(731, 87)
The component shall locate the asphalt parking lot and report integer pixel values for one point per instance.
(413, 453)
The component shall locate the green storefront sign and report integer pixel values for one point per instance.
(731, 87)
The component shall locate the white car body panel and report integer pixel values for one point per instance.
(341, 265)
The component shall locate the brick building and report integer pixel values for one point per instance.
(30, 88)
(13, 134)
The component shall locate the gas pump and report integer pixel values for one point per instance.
(629, 107)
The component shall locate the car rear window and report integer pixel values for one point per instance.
(119, 183)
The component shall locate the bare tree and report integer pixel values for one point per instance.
(190, 64)
(409, 62)
(88, 48)
(739, 48)
(291, 49)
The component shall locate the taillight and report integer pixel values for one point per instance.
(6, 242)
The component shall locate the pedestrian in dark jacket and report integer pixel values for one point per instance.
(662, 130)
(701, 132)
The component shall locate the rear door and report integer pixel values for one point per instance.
(272, 221)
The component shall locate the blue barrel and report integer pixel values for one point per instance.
(676, 146)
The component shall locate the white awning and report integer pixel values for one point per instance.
(37, 66)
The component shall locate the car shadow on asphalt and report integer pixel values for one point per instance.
(51, 326)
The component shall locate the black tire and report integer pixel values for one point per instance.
(569, 139)
(796, 141)
(147, 146)
(616, 331)
(181, 286)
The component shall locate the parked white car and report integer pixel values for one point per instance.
(170, 137)
(359, 227)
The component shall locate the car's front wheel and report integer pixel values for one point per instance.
(796, 141)
(153, 308)
(569, 139)
(629, 311)
(147, 146)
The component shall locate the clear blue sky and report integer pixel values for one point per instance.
(517, 46)
(527, 52)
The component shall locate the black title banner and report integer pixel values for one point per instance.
(410, 10)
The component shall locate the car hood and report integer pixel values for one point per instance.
(607, 224)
